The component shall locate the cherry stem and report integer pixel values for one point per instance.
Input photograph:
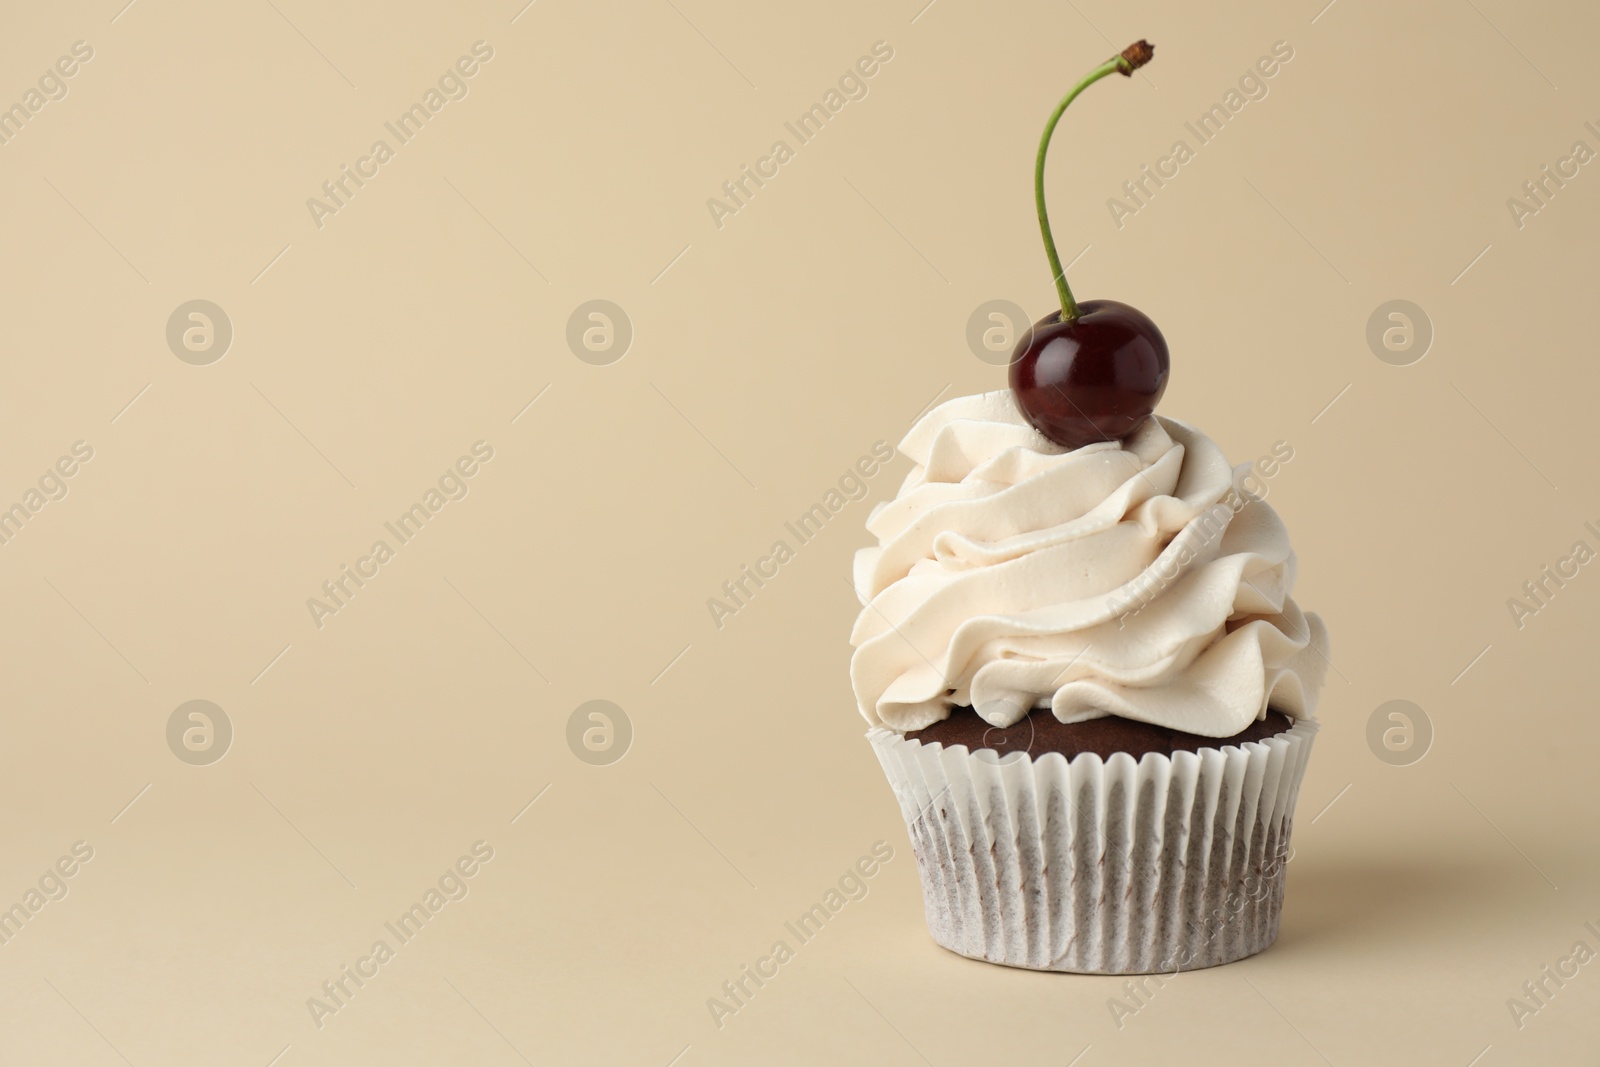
(1133, 57)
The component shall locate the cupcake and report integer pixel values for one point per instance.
(1090, 689)
(1082, 667)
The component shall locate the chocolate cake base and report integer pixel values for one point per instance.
(1042, 732)
(1099, 865)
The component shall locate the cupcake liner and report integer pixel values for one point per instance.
(1100, 866)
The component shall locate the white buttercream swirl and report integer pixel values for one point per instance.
(1131, 578)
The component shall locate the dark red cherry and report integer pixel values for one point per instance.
(1092, 371)
(1095, 378)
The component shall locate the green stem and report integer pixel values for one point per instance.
(1116, 65)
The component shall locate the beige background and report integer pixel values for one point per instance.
(768, 355)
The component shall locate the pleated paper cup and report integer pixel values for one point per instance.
(1117, 866)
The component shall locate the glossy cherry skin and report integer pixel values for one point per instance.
(1093, 379)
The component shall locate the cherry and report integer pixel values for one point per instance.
(1095, 371)
(1092, 378)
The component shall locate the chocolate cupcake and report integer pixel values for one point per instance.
(1090, 689)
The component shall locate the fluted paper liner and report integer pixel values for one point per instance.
(1099, 866)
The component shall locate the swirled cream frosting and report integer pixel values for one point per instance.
(1137, 578)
